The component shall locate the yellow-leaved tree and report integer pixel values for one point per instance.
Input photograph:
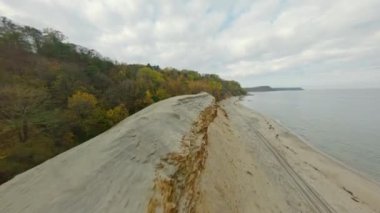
(82, 104)
(85, 116)
(117, 114)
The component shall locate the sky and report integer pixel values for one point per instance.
(307, 43)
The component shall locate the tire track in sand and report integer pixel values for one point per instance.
(316, 202)
(313, 198)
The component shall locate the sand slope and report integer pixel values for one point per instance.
(113, 172)
(188, 154)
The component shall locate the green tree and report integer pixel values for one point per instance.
(150, 77)
(55, 94)
(21, 106)
(161, 94)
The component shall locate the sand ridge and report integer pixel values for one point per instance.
(113, 172)
(190, 154)
(179, 191)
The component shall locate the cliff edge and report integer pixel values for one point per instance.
(190, 154)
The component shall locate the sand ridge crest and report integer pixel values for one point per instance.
(178, 191)
(190, 154)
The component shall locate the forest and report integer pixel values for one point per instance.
(55, 95)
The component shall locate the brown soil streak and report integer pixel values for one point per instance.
(179, 192)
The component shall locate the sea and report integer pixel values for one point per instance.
(345, 123)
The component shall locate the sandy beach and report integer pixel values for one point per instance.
(190, 154)
(259, 166)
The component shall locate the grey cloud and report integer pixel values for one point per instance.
(250, 41)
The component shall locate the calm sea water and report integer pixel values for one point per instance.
(345, 124)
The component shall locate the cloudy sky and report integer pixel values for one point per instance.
(308, 43)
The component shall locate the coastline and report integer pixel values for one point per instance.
(316, 149)
(190, 154)
(341, 124)
(343, 188)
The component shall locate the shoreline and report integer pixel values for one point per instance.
(190, 154)
(331, 122)
(316, 149)
(342, 187)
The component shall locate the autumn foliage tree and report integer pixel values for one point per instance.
(55, 94)
(22, 106)
(83, 113)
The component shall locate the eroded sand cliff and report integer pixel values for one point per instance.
(190, 154)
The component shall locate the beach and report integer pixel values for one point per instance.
(272, 170)
(192, 154)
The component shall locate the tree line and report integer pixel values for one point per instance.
(55, 95)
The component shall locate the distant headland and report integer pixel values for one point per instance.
(270, 89)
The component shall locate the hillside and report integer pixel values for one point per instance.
(191, 154)
(55, 95)
(270, 89)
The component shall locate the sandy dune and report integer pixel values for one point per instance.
(113, 172)
(188, 154)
